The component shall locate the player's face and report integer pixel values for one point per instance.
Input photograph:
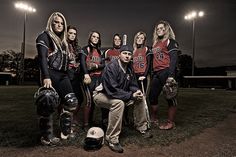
(57, 24)
(125, 56)
(117, 41)
(71, 34)
(140, 39)
(94, 38)
(161, 30)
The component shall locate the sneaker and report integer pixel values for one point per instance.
(146, 134)
(70, 136)
(116, 147)
(167, 126)
(50, 142)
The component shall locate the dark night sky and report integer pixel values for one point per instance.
(215, 32)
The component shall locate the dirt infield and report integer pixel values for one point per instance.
(219, 141)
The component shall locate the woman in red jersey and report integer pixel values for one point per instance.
(165, 54)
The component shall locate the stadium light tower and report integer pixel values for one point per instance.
(26, 8)
(192, 16)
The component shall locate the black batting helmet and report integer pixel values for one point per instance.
(46, 100)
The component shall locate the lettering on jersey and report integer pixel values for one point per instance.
(138, 62)
(139, 66)
(158, 54)
(95, 59)
(138, 59)
(161, 56)
(113, 57)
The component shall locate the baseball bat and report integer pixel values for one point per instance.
(124, 39)
(146, 106)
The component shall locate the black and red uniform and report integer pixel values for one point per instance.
(141, 63)
(165, 55)
(111, 54)
(89, 55)
(53, 63)
(74, 71)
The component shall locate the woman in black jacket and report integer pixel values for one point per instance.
(53, 56)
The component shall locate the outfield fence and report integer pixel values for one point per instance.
(227, 82)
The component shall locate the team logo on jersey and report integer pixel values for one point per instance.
(156, 50)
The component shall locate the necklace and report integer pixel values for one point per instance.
(122, 67)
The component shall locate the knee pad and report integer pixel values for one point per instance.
(71, 102)
(65, 122)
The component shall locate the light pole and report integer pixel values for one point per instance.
(26, 8)
(193, 16)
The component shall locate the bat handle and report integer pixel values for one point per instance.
(143, 88)
(124, 39)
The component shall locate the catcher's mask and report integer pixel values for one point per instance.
(170, 88)
(46, 100)
(94, 139)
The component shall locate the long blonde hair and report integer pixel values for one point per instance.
(136, 36)
(168, 35)
(62, 39)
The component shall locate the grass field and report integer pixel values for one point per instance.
(198, 109)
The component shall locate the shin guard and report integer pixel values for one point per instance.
(65, 124)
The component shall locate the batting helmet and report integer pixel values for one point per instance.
(94, 139)
(46, 100)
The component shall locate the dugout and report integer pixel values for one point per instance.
(6, 78)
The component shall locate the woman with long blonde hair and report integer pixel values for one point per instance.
(165, 54)
(141, 58)
(53, 55)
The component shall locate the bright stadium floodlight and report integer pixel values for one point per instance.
(200, 13)
(193, 16)
(27, 9)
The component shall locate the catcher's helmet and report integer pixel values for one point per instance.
(46, 100)
(94, 139)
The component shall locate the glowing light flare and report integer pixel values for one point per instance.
(25, 7)
(193, 15)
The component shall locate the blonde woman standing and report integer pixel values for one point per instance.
(53, 55)
(165, 54)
